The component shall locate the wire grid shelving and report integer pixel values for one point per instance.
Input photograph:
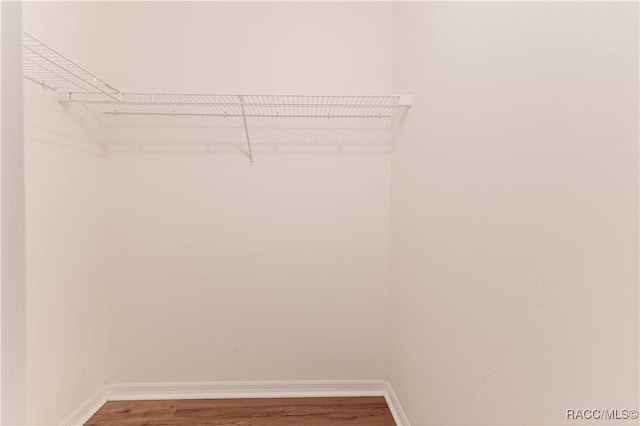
(49, 68)
(232, 105)
(73, 83)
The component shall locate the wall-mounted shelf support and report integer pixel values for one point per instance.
(405, 100)
(72, 83)
(246, 128)
(62, 95)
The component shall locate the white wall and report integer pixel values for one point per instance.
(66, 257)
(223, 271)
(13, 372)
(226, 271)
(219, 270)
(225, 47)
(515, 211)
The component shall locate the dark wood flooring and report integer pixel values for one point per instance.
(356, 411)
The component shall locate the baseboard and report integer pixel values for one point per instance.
(258, 389)
(394, 406)
(88, 409)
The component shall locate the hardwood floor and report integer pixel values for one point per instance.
(356, 411)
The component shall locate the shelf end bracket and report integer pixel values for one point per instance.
(62, 95)
(405, 100)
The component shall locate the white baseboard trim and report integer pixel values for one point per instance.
(259, 389)
(88, 409)
(394, 406)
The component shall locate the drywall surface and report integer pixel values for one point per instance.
(258, 47)
(515, 211)
(66, 258)
(219, 270)
(13, 375)
(226, 271)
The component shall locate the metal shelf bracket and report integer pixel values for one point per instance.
(246, 128)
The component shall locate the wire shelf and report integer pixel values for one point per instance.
(232, 105)
(73, 83)
(49, 68)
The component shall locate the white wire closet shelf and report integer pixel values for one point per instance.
(52, 70)
(73, 83)
(232, 105)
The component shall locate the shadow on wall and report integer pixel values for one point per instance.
(269, 135)
(49, 122)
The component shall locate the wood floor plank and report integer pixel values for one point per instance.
(353, 411)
